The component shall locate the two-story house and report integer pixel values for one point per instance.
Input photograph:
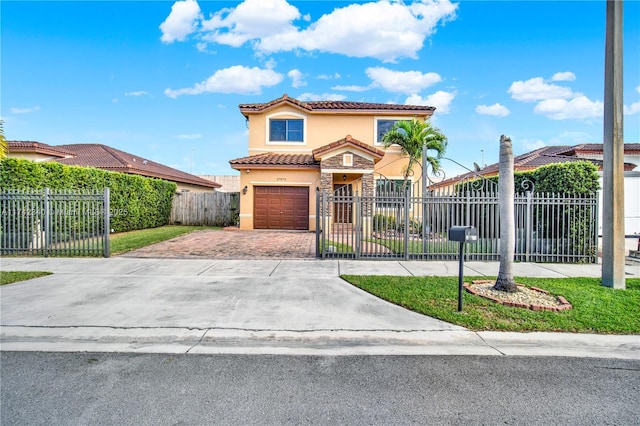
(298, 148)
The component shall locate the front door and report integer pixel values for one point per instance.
(342, 206)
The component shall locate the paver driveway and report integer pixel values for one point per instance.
(227, 244)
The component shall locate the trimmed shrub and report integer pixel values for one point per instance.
(578, 177)
(136, 202)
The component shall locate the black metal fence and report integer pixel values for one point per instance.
(54, 223)
(398, 225)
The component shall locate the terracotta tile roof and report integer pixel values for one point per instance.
(268, 160)
(325, 106)
(348, 140)
(598, 147)
(38, 148)
(544, 156)
(108, 158)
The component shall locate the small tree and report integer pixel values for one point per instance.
(505, 280)
(412, 136)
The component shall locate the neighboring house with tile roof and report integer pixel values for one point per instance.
(296, 148)
(36, 151)
(108, 158)
(552, 155)
(583, 152)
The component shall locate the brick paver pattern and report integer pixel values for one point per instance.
(226, 244)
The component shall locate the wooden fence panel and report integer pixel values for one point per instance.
(205, 208)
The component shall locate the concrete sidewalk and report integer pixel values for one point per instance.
(258, 306)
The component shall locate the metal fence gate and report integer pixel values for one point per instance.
(394, 224)
(54, 223)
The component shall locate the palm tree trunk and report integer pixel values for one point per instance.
(505, 281)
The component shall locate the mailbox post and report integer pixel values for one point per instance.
(462, 234)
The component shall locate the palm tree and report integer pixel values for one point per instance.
(505, 280)
(412, 136)
(4, 145)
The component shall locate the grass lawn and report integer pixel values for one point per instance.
(8, 277)
(596, 309)
(127, 241)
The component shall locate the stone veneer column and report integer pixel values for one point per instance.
(368, 190)
(326, 186)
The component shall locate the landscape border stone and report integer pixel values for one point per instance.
(563, 304)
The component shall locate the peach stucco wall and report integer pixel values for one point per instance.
(320, 129)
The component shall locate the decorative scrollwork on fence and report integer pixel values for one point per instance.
(527, 185)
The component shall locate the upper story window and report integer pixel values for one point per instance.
(286, 130)
(383, 125)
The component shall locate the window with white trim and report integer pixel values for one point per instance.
(347, 160)
(286, 130)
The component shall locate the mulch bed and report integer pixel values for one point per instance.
(532, 298)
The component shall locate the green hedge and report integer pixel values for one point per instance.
(579, 177)
(136, 202)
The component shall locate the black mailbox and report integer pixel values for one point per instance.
(463, 234)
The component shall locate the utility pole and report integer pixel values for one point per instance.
(613, 151)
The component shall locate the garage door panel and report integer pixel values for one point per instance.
(281, 207)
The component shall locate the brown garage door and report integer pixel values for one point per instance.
(281, 207)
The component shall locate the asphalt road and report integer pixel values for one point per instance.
(147, 389)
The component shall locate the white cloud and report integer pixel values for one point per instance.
(139, 93)
(383, 30)
(533, 144)
(495, 109)
(351, 88)
(250, 20)
(236, 79)
(556, 102)
(323, 97)
(190, 136)
(441, 100)
(270, 64)
(578, 108)
(296, 78)
(401, 81)
(16, 110)
(573, 138)
(386, 30)
(632, 109)
(564, 138)
(564, 76)
(535, 89)
(328, 77)
(181, 22)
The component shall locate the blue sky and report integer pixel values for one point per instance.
(163, 80)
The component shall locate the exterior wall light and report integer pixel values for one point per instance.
(245, 189)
